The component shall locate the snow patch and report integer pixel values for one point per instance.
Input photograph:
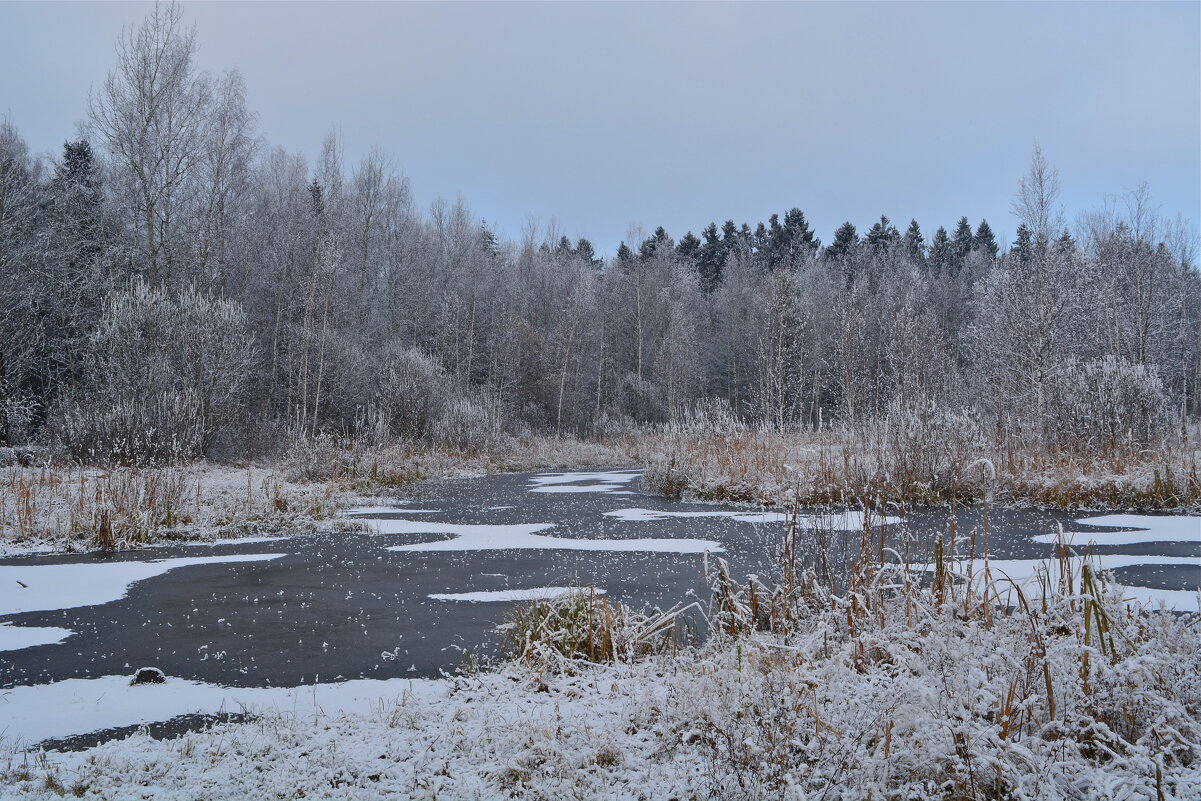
(388, 510)
(233, 541)
(609, 482)
(78, 706)
(530, 594)
(1025, 573)
(650, 515)
(14, 638)
(38, 588)
(470, 537)
(844, 521)
(1149, 528)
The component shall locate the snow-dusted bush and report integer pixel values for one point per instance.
(922, 442)
(586, 626)
(17, 416)
(159, 428)
(1107, 405)
(708, 415)
(468, 424)
(167, 376)
(413, 394)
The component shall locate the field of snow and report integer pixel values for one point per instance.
(908, 702)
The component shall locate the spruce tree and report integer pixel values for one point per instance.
(942, 254)
(846, 238)
(881, 236)
(654, 245)
(689, 247)
(914, 244)
(1023, 248)
(984, 240)
(961, 242)
(585, 251)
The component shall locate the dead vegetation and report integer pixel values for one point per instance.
(64, 507)
(895, 465)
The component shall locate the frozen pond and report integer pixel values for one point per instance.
(427, 582)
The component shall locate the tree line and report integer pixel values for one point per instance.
(172, 286)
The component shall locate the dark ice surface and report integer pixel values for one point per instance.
(342, 606)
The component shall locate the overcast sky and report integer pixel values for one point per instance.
(608, 115)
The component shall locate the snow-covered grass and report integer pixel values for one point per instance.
(61, 507)
(847, 466)
(46, 506)
(888, 689)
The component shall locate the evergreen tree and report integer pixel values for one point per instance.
(881, 236)
(942, 254)
(624, 255)
(654, 245)
(73, 242)
(711, 258)
(788, 243)
(585, 251)
(1065, 244)
(1023, 248)
(689, 247)
(914, 244)
(846, 238)
(759, 239)
(984, 240)
(488, 242)
(961, 242)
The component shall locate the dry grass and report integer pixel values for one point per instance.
(70, 508)
(373, 468)
(587, 626)
(1062, 669)
(844, 469)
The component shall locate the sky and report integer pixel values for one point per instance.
(603, 117)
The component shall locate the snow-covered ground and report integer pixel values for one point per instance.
(897, 707)
(907, 703)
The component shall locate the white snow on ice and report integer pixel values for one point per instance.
(1024, 573)
(608, 482)
(529, 594)
(78, 706)
(14, 638)
(843, 521)
(465, 537)
(650, 515)
(232, 541)
(37, 588)
(388, 510)
(1150, 528)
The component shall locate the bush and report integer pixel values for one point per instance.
(467, 424)
(1107, 405)
(167, 375)
(413, 395)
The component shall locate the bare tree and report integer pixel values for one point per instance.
(152, 113)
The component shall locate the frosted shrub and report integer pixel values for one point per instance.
(159, 428)
(610, 424)
(467, 424)
(17, 415)
(414, 394)
(707, 416)
(640, 399)
(1107, 405)
(167, 376)
(924, 443)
